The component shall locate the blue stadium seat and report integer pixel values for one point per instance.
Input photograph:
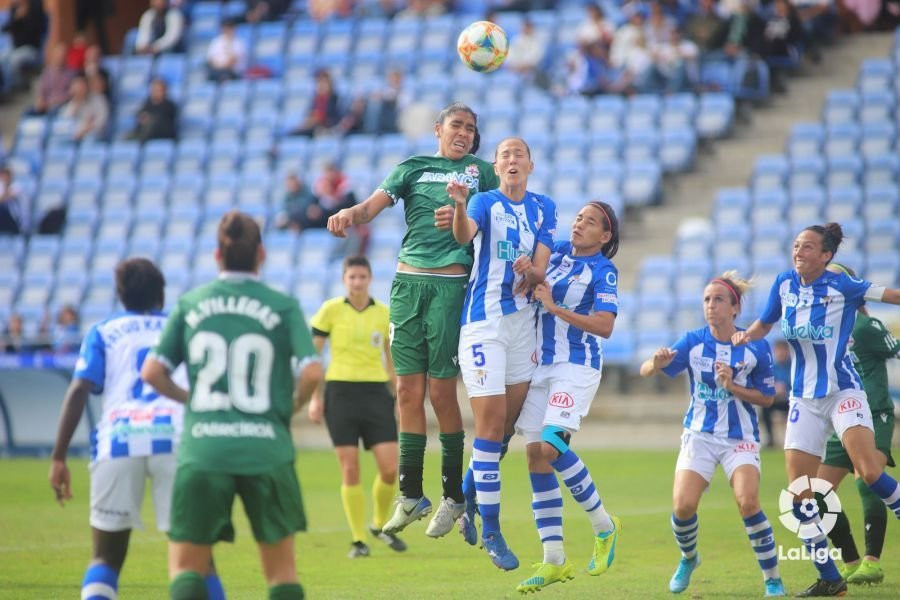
(876, 106)
(843, 170)
(771, 238)
(605, 179)
(679, 110)
(805, 207)
(840, 107)
(732, 206)
(654, 313)
(881, 169)
(806, 172)
(607, 113)
(875, 74)
(642, 183)
(643, 111)
(678, 149)
(769, 205)
(769, 172)
(882, 237)
(691, 276)
(883, 269)
(641, 145)
(806, 140)
(842, 139)
(877, 138)
(605, 146)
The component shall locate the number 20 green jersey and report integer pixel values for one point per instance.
(238, 338)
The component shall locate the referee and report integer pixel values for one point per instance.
(358, 403)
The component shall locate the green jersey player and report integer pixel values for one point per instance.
(426, 304)
(871, 346)
(238, 338)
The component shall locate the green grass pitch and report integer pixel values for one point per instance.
(44, 548)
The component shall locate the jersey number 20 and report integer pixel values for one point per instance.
(247, 362)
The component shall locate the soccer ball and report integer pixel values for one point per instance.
(482, 46)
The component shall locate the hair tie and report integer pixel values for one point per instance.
(737, 297)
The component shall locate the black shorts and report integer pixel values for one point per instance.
(355, 410)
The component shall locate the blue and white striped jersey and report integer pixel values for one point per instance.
(506, 231)
(136, 420)
(582, 284)
(713, 409)
(817, 321)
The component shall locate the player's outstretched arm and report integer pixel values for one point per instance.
(363, 212)
(73, 407)
(891, 296)
(316, 409)
(157, 374)
(756, 331)
(661, 359)
(464, 227)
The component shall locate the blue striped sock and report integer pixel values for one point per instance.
(547, 507)
(887, 488)
(686, 533)
(817, 545)
(486, 472)
(468, 484)
(101, 582)
(762, 540)
(214, 589)
(577, 478)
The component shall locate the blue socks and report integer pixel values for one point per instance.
(101, 582)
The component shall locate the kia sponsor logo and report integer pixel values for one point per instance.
(848, 405)
(562, 400)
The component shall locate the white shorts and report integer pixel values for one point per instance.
(701, 452)
(560, 394)
(496, 353)
(812, 420)
(117, 491)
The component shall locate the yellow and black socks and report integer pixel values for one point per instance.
(355, 510)
(382, 496)
(412, 460)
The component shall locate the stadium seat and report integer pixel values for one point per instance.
(678, 111)
(678, 149)
(876, 107)
(842, 139)
(732, 206)
(877, 138)
(769, 172)
(875, 74)
(843, 170)
(607, 113)
(806, 140)
(642, 183)
(643, 112)
(641, 145)
(881, 169)
(605, 146)
(840, 107)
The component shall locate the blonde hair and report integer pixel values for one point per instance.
(736, 284)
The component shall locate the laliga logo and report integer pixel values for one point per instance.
(808, 507)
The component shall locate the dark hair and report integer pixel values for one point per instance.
(832, 235)
(611, 223)
(513, 137)
(140, 285)
(356, 261)
(455, 107)
(239, 241)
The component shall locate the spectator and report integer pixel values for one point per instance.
(391, 100)
(418, 9)
(10, 208)
(298, 199)
(323, 114)
(160, 29)
(705, 28)
(157, 117)
(66, 335)
(589, 72)
(53, 86)
(778, 38)
(819, 20)
(627, 36)
(526, 51)
(333, 192)
(660, 27)
(266, 10)
(14, 338)
(781, 355)
(354, 120)
(88, 110)
(596, 28)
(96, 73)
(677, 63)
(94, 12)
(226, 56)
(75, 54)
(26, 28)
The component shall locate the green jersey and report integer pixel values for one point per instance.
(238, 338)
(421, 181)
(870, 346)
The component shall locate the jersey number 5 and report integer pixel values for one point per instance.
(247, 365)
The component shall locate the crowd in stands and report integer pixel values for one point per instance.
(61, 335)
